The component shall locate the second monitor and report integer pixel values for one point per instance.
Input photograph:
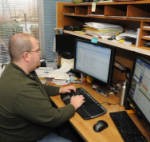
(95, 60)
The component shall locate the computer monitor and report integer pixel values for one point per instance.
(139, 89)
(65, 45)
(95, 60)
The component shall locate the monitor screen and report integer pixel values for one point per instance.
(95, 60)
(139, 91)
(65, 45)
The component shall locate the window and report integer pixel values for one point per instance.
(17, 16)
(37, 17)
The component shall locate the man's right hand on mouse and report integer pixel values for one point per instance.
(77, 101)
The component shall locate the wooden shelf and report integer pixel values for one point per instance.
(146, 29)
(145, 32)
(133, 14)
(146, 37)
(107, 3)
(129, 9)
(100, 16)
(133, 48)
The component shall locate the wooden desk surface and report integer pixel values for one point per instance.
(85, 127)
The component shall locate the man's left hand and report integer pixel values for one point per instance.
(67, 89)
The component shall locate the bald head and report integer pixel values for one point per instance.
(18, 44)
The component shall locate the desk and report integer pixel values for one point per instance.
(85, 127)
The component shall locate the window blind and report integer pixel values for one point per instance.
(26, 16)
(17, 16)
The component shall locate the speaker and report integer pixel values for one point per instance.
(123, 94)
(65, 45)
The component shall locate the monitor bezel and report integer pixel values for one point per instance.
(111, 63)
(132, 104)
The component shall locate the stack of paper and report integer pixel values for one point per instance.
(44, 71)
(61, 73)
(103, 30)
(58, 76)
(129, 36)
(127, 33)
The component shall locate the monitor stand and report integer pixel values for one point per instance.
(103, 90)
(106, 90)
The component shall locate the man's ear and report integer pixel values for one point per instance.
(26, 56)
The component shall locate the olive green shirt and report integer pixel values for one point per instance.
(26, 112)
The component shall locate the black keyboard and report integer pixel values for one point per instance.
(126, 127)
(90, 109)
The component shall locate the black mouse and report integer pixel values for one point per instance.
(100, 125)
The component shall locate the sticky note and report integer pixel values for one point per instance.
(93, 6)
(94, 40)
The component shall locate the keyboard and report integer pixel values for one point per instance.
(126, 127)
(90, 109)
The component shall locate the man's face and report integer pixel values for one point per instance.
(35, 54)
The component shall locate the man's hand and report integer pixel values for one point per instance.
(77, 101)
(67, 89)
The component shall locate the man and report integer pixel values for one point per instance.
(26, 113)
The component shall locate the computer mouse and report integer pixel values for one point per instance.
(100, 125)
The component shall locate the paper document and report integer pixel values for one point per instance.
(61, 73)
(103, 30)
(44, 71)
(128, 33)
(58, 76)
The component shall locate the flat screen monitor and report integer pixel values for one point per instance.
(95, 60)
(139, 91)
(65, 45)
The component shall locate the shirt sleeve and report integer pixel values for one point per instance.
(51, 90)
(34, 105)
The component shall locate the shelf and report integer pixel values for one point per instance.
(101, 16)
(146, 37)
(129, 9)
(145, 32)
(108, 3)
(146, 28)
(133, 48)
(130, 15)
